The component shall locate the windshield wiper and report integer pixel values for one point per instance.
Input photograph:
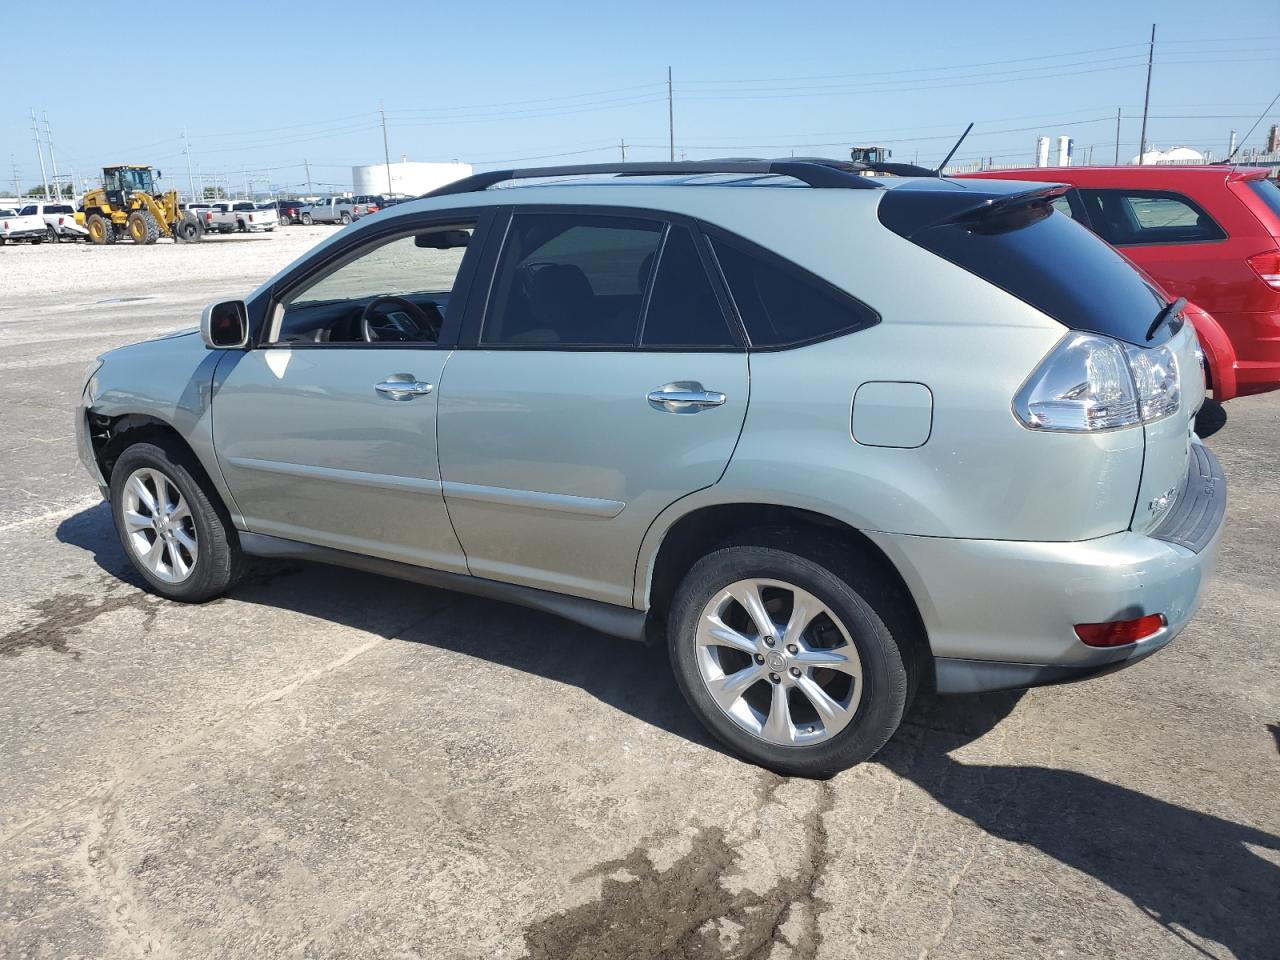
(1165, 315)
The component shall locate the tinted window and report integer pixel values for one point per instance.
(56, 208)
(1062, 205)
(1053, 263)
(27, 211)
(571, 279)
(782, 305)
(1268, 193)
(683, 308)
(1129, 217)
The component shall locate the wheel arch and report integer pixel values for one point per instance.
(110, 436)
(666, 557)
(1220, 354)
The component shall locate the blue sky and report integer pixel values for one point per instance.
(492, 83)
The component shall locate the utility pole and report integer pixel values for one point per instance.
(671, 119)
(48, 138)
(622, 145)
(186, 148)
(44, 178)
(17, 189)
(248, 191)
(386, 151)
(308, 166)
(1231, 144)
(1117, 136)
(1146, 100)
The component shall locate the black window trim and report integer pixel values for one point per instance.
(264, 306)
(792, 268)
(1173, 194)
(478, 307)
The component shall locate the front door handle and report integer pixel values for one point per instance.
(684, 396)
(403, 386)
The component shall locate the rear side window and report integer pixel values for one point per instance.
(572, 280)
(28, 211)
(1134, 217)
(782, 305)
(683, 308)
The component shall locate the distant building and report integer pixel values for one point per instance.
(1176, 155)
(408, 178)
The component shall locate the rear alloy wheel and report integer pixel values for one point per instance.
(142, 227)
(51, 234)
(786, 662)
(169, 523)
(346, 218)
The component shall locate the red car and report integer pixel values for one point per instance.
(1207, 233)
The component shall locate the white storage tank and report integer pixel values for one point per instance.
(408, 178)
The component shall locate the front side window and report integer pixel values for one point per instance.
(29, 211)
(1134, 217)
(398, 291)
(571, 280)
(781, 304)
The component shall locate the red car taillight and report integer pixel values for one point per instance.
(208, 217)
(1117, 633)
(1267, 267)
(61, 221)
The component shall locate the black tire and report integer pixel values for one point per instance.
(51, 234)
(100, 229)
(307, 220)
(869, 605)
(284, 221)
(142, 227)
(220, 562)
(346, 219)
(36, 241)
(187, 229)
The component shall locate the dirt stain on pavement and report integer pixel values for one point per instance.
(52, 622)
(686, 912)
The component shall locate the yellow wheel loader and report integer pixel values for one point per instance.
(127, 205)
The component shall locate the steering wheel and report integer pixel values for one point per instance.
(410, 323)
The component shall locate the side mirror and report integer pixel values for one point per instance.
(225, 325)
(159, 175)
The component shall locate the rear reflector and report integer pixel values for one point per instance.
(1267, 266)
(1117, 633)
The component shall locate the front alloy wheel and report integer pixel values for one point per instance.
(160, 529)
(778, 662)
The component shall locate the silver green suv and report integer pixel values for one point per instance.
(828, 436)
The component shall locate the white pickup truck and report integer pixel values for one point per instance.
(59, 220)
(22, 226)
(226, 216)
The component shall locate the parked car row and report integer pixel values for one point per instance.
(829, 438)
(40, 222)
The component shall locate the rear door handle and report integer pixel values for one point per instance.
(684, 396)
(403, 386)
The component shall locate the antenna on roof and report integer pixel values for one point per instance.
(1253, 128)
(947, 158)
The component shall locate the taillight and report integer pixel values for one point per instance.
(1267, 267)
(208, 217)
(60, 221)
(1090, 383)
(1117, 633)
(251, 218)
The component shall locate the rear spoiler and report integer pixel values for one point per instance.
(907, 211)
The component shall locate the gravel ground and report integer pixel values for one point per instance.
(330, 764)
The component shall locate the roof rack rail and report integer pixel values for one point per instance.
(839, 174)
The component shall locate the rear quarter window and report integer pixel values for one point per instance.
(780, 303)
(1142, 217)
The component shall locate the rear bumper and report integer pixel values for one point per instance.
(1256, 338)
(25, 234)
(1001, 614)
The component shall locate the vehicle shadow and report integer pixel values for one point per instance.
(1191, 872)
(628, 676)
(1211, 418)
